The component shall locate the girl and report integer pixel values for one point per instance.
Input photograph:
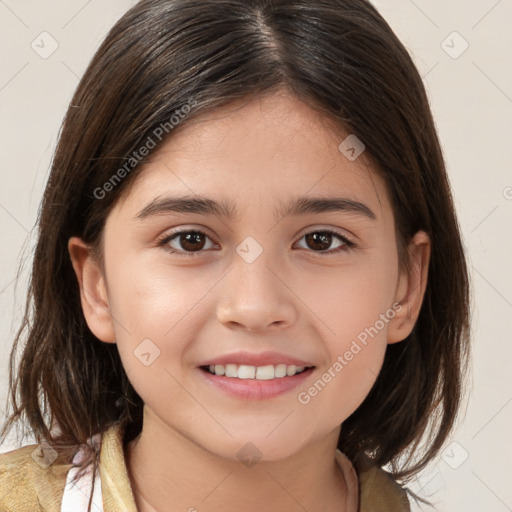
(249, 289)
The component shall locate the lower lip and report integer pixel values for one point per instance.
(254, 389)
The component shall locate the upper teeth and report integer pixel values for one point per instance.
(255, 372)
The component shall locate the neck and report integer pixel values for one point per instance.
(175, 474)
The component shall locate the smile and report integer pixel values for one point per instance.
(246, 382)
(267, 372)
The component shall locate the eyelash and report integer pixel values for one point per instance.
(348, 244)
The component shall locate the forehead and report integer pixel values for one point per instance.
(265, 150)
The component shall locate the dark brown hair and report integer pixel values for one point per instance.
(340, 57)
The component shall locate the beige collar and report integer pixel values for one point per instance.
(373, 488)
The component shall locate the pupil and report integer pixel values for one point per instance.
(323, 238)
(189, 239)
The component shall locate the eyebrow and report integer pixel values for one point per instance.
(226, 209)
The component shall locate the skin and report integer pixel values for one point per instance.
(293, 298)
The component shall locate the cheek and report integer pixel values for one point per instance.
(351, 298)
(356, 308)
(341, 386)
(158, 313)
(155, 300)
(155, 313)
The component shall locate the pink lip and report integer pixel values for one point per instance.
(252, 359)
(253, 389)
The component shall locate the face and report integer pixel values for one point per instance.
(254, 281)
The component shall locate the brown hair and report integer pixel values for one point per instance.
(343, 59)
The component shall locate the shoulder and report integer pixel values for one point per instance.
(31, 479)
(379, 492)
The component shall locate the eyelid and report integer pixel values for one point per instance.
(168, 233)
(348, 240)
(163, 240)
(343, 233)
(309, 229)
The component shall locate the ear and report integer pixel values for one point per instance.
(93, 290)
(411, 289)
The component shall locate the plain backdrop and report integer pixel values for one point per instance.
(463, 51)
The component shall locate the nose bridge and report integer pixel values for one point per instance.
(252, 295)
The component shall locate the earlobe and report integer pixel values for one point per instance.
(93, 290)
(411, 289)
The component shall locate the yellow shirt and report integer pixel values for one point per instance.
(28, 486)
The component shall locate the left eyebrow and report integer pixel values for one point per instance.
(226, 209)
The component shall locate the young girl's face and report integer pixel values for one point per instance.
(260, 280)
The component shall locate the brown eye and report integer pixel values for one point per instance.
(320, 241)
(192, 241)
(184, 242)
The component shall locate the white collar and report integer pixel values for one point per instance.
(76, 495)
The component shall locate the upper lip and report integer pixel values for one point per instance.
(256, 359)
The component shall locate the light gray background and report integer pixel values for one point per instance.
(471, 97)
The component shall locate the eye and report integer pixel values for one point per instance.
(194, 241)
(322, 240)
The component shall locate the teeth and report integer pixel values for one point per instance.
(255, 372)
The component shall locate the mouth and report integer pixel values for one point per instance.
(245, 382)
(267, 372)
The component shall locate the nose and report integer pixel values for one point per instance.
(256, 297)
